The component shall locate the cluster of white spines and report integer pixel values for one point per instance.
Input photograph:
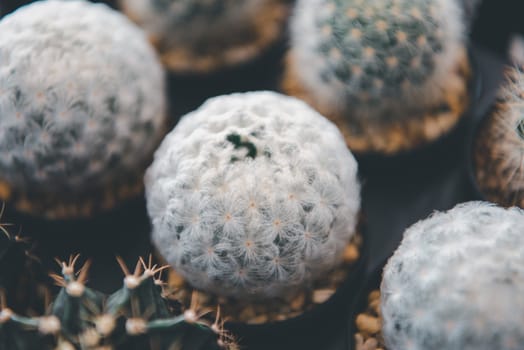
(81, 96)
(342, 51)
(457, 282)
(253, 194)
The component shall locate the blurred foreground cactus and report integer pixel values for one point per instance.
(498, 149)
(81, 108)
(204, 35)
(391, 73)
(253, 195)
(135, 317)
(457, 282)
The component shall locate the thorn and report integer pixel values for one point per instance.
(73, 259)
(3, 299)
(194, 300)
(82, 275)
(59, 280)
(123, 266)
(160, 269)
(138, 269)
(143, 263)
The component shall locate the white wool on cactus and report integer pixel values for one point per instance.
(457, 282)
(81, 98)
(253, 195)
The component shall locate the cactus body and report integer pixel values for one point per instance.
(499, 144)
(203, 35)
(253, 195)
(377, 63)
(81, 106)
(135, 317)
(457, 282)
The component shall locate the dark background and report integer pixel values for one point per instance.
(396, 191)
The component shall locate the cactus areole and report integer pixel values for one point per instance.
(253, 195)
(81, 105)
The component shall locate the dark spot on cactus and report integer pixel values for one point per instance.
(113, 161)
(17, 95)
(267, 153)
(325, 77)
(112, 104)
(399, 267)
(307, 207)
(81, 106)
(161, 5)
(179, 229)
(37, 117)
(398, 327)
(237, 141)
(520, 129)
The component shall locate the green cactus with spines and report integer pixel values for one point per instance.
(137, 316)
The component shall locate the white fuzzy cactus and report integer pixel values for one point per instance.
(457, 282)
(253, 195)
(203, 35)
(81, 102)
(378, 63)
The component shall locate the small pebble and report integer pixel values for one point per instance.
(321, 295)
(368, 324)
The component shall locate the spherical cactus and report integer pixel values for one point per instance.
(253, 195)
(391, 73)
(81, 107)
(498, 149)
(204, 35)
(457, 282)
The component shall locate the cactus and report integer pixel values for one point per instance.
(23, 281)
(135, 317)
(457, 282)
(253, 195)
(81, 107)
(379, 66)
(204, 35)
(499, 144)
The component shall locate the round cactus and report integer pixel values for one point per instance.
(81, 107)
(203, 35)
(499, 144)
(253, 195)
(457, 282)
(380, 68)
